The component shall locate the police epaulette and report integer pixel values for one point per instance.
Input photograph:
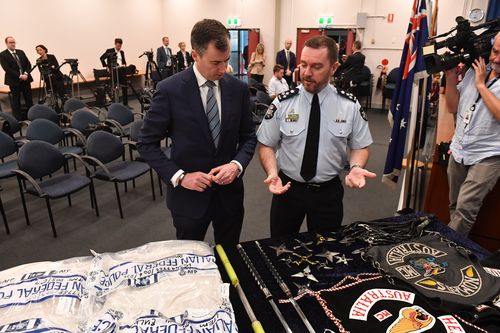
(347, 95)
(287, 94)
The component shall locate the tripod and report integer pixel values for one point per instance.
(75, 72)
(48, 91)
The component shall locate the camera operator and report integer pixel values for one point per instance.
(474, 165)
(113, 58)
(49, 70)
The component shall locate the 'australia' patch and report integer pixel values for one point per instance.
(270, 112)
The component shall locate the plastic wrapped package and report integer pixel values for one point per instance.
(163, 286)
(43, 296)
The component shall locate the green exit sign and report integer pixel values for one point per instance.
(325, 21)
(234, 22)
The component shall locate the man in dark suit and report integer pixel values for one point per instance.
(352, 68)
(114, 59)
(287, 59)
(164, 59)
(206, 114)
(17, 67)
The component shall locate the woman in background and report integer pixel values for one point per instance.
(184, 59)
(50, 72)
(257, 63)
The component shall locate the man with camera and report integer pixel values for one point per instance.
(17, 67)
(474, 165)
(114, 60)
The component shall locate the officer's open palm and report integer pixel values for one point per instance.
(276, 186)
(357, 177)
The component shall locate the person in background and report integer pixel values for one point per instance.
(257, 63)
(114, 60)
(164, 59)
(184, 59)
(287, 59)
(351, 69)
(17, 69)
(54, 78)
(277, 84)
(474, 164)
(303, 142)
(206, 114)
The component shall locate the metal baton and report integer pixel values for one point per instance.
(263, 288)
(284, 287)
(257, 327)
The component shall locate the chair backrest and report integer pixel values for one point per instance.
(263, 98)
(39, 159)
(365, 73)
(104, 146)
(40, 111)
(7, 145)
(135, 129)
(120, 113)
(392, 77)
(81, 119)
(44, 130)
(13, 122)
(73, 104)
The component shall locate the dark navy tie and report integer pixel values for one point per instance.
(213, 113)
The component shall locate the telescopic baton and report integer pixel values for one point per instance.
(285, 288)
(262, 286)
(257, 327)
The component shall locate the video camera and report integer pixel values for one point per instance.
(43, 66)
(73, 62)
(148, 54)
(112, 59)
(465, 46)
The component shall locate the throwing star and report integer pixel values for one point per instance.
(328, 255)
(342, 260)
(306, 273)
(280, 249)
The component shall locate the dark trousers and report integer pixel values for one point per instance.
(24, 88)
(288, 80)
(257, 77)
(227, 227)
(322, 203)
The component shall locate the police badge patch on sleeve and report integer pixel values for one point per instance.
(363, 113)
(270, 111)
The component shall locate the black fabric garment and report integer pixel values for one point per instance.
(310, 159)
(391, 307)
(439, 270)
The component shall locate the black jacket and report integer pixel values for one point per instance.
(11, 68)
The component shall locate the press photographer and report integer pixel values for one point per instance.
(114, 60)
(51, 74)
(474, 165)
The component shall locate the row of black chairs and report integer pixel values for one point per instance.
(45, 151)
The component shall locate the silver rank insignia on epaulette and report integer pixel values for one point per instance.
(270, 111)
(347, 95)
(288, 94)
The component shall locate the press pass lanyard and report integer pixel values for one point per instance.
(468, 113)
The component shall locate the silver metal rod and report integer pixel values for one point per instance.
(285, 288)
(263, 287)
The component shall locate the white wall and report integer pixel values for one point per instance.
(81, 29)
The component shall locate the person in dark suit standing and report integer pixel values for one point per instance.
(114, 60)
(17, 68)
(287, 59)
(206, 114)
(164, 59)
(184, 59)
(352, 68)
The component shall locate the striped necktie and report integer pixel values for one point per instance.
(213, 113)
(16, 58)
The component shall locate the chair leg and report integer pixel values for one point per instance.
(49, 209)
(19, 181)
(133, 183)
(74, 163)
(125, 186)
(152, 183)
(2, 210)
(93, 197)
(118, 199)
(69, 200)
(160, 185)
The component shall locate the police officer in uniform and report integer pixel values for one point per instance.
(303, 144)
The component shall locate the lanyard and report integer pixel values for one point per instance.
(468, 113)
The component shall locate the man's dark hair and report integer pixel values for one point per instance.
(42, 47)
(357, 45)
(319, 42)
(207, 31)
(118, 40)
(6, 38)
(277, 68)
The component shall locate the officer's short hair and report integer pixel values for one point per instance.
(357, 45)
(118, 41)
(318, 42)
(277, 68)
(206, 31)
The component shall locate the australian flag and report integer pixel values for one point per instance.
(412, 62)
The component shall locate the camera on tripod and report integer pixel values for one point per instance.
(148, 54)
(465, 46)
(73, 64)
(43, 65)
(112, 59)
